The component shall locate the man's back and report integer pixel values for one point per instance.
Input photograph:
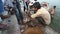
(44, 14)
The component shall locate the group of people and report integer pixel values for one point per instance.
(8, 18)
(41, 12)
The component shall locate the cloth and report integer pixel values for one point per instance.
(32, 2)
(44, 14)
(1, 7)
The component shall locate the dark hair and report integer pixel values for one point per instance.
(54, 6)
(35, 0)
(37, 5)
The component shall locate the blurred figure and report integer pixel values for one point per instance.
(26, 3)
(3, 15)
(12, 20)
(45, 5)
(18, 12)
(1, 9)
(53, 11)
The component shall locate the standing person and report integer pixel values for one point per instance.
(2, 15)
(18, 12)
(53, 11)
(12, 20)
(26, 3)
(1, 9)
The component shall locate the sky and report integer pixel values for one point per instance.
(51, 2)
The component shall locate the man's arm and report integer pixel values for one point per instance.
(36, 15)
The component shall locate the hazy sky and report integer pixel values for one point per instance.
(51, 2)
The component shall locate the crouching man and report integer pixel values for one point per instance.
(41, 12)
(43, 17)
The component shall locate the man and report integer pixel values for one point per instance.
(41, 12)
(18, 12)
(53, 11)
(1, 9)
(2, 15)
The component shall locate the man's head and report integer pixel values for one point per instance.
(54, 7)
(36, 6)
(35, 0)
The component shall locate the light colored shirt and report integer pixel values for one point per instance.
(44, 14)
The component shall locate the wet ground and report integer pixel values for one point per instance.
(48, 30)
